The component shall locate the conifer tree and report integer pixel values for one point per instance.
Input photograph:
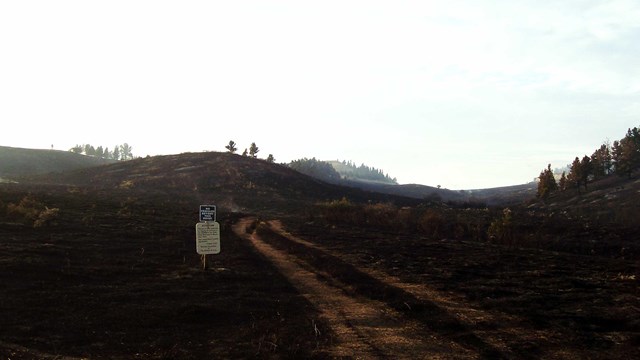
(547, 183)
(575, 174)
(231, 147)
(562, 185)
(116, 152)
(586, 170)
(253, 150)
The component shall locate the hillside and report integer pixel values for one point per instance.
(100, 262)
(15, 162)
(234, 182)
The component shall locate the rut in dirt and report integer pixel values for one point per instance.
(370, 318)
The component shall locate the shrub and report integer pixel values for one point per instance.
(46, 217)
(31, 211)
(432, 223)
(26, 210)
(501, 229)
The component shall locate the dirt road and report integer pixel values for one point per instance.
(374, 326)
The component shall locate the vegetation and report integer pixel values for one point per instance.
(621, 158)
(348, 170)
(30, 211)
(253, 150)
(231, 147)
(120, 152)
(315, 168)
(547, 183)
(270, 158)
(436, 221)
(335, 171)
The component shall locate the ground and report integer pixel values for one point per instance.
(114, 275)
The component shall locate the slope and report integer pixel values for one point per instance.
(16, 162)
(233, 182)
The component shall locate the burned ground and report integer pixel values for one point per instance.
(101, 263)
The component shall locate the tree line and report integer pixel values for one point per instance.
(364, 172)
(252, 151)
(119, 152)
(621, 158)
(348, 171)
(316, 168)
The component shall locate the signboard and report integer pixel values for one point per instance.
(208, 238)
(207, 213)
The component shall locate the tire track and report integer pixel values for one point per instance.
(365, 328)
(492, 335)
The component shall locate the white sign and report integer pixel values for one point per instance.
(208, 238)
(207, 213)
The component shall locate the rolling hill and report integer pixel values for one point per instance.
(234, 182)
(16, 162)
(101, 262)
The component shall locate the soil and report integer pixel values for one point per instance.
(118, 278)
(497, 302)
(114, 275)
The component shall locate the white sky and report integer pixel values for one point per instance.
(463, 94)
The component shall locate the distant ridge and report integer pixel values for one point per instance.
(17, 162)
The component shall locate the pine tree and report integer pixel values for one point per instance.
(562, 185)
(547, 183)
(116, 152)
(575, 174)
(253, 150)
(586, 170)
(231, 147)
(126, 152)
(270, 158)
(245, 152)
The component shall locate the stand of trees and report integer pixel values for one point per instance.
(315, 168)
(341, 171)
(363, 172)
(621, 158)
(120, 152)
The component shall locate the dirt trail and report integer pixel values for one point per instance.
(500, 332)
(364, 328)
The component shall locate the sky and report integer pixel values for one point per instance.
(465, 94)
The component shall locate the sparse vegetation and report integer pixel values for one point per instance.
(31, 211)
(231, 147)
(253, 150)
(120, 152)
(566, 266)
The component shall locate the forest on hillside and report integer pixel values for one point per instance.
(336, 171)
(621, 158)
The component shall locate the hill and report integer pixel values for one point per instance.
(302, 279)
(234, 182)
(15, 162)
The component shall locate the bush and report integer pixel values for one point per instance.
(432, 223)
(46, 217)
(501, 229)
(31, 211)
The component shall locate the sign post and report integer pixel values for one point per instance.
(207, 233)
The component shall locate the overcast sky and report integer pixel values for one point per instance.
(463, 94)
